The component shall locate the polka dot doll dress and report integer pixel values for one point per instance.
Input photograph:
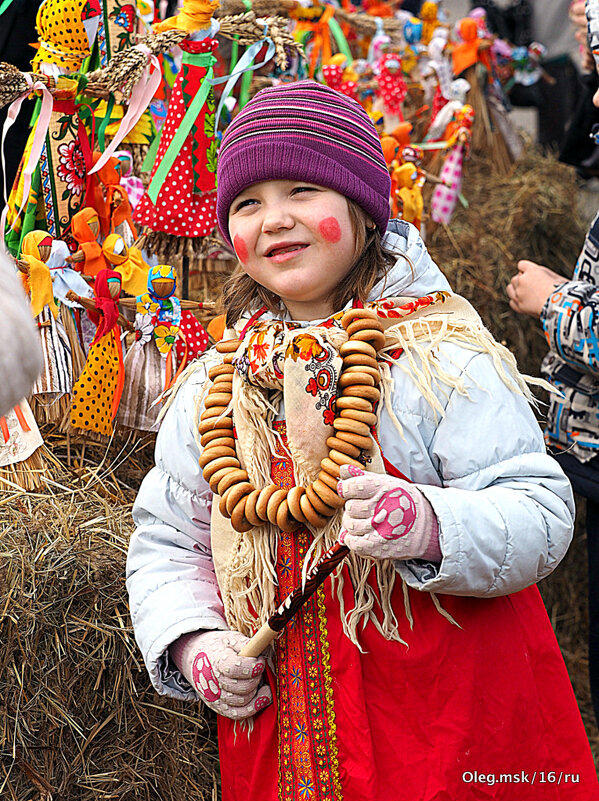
(186, 203)
(97, 393)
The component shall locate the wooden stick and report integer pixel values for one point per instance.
(295, 600)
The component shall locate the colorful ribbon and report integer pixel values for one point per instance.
(142, 94)
(244, 66)
(41, 129)
(186, 124)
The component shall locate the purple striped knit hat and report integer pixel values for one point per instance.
(304, 131)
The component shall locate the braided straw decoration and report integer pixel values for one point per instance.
(126, 67)
(13, 84)
(262, 8)
(247, 506)
(365, 24)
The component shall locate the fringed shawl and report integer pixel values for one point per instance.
(284, 361)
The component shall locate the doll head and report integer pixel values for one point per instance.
(108, 285)
(162, 281)
(85, 225)
(114, 249)
(303, 132)
(37, 244)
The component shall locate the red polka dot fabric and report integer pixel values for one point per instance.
(392, 86)
(182, 210)
(195, 337)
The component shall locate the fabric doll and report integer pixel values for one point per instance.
(97, 393)
(392, 86)
(430, 21)
(85, 227)
(65, 280)
(128, 262)
(471, 49)
(150, 362)
(184, 202)
(458, 146)
(50, 395)
(57, 187)
(110, 198)
(408, 195)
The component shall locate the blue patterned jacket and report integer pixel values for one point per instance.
(570, 319)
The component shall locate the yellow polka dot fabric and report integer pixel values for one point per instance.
(97, 393)
(62, 36)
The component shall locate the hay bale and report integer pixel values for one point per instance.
(528, 213)
(78, 718)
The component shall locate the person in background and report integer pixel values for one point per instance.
(524, 21)
(568, 311)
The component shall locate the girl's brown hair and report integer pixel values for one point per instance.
(371, 263)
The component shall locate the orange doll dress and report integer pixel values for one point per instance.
(97, 393)
(80, 227)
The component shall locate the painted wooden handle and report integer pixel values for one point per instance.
(295, 600)
(259, 642)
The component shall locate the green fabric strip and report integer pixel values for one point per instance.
(104, 124)
(340, 39)
(152, 150)
(5, 4)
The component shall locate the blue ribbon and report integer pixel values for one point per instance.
(243, 65)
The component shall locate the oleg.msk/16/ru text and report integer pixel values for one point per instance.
(522, 777)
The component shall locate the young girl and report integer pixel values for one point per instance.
(427, 668)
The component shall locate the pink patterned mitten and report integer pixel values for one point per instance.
(386, 517)
(227, 682)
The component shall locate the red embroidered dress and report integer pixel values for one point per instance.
(397, 723)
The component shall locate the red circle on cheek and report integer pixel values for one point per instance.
(330, 229)
(241, 249)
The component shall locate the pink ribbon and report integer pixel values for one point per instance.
(41, 129)
(141, 98)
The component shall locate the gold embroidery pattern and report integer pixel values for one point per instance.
(328, 690)
(308, 758)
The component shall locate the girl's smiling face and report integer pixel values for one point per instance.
(296, 240)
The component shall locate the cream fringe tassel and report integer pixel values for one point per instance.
(251, 579)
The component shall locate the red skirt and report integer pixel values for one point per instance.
(481, 711)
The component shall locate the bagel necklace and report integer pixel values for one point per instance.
(358, 391)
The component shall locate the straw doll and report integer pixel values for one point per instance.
(150, 362)
(178, 208)
(21, 448)
(50, 395)
(88, 258)
(356, 403)
(97, 393)
(458, 136)
(408, 194)
(392, 88)
(110, 198)
(128, 262)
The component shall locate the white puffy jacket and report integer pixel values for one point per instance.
(505, 508)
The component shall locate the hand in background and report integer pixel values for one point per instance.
(531, 286)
